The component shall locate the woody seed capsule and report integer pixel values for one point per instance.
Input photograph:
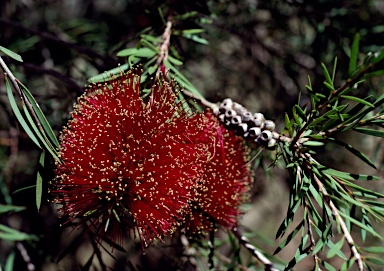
(266, 135)
(254, 132)
(230, 113)
(236, 120)
(269, 125)
(227, 103)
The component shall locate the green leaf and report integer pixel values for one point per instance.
(374, 250)
(11, 54)
(43, 121)
(300, 111)
(150, 38)
(354, 151)
(11, 208)
(288, 124)
(127, 52)
(313, 143)
(328, 266)
(361, 225)
(375, 260)
(152, 69)
(334, 69)
(358, 100)
(193, 31)
(335, 248)
(285, 242)
(348, 264)
(48, 146)
(10, 262)
(106, 76)
(23, 188)
(175, 61)
(11, 234)
(320, 96)
(149, 45)
(379, 57)
(39, 181)
(371, 132)
(17, 112)
(319, 245)
(354, 54)
(196, 39)
(145, 52)
(181, 79)
(327, 76)
(329, 86)
(338, 174)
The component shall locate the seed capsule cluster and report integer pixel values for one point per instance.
(250, 126)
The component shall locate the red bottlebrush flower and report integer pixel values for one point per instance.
(224, 185)
(129, 165)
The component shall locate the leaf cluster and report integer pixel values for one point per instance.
(332, 201)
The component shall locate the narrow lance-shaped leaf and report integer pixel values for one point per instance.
(43, 139)
(11, 54)
(17, 112)
(327, 76)
(334, 69)
(40, 115)
(375, 260)
(374, 250)
(11, 234)
(289, 238)
(354, 151)
(39, 180)
(10, 262)
(335, 248)
(359, 224)
(354, 54)
(10, 208)
(106, 76)
(358, 100)
(371, 132)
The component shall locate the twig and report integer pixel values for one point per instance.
(25, 256)
(344, 229)
(215, 107)
(164, 48)
(25, 101)
(313, 243)
(229, 261)
(255, 252)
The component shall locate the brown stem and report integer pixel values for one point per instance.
(336, 214)
(164, 47)
(255, 252)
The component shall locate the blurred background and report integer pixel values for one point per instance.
(260, 53)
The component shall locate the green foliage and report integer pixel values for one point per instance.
(334, 204)
(337, 195)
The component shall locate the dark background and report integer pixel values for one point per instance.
(260, 53)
